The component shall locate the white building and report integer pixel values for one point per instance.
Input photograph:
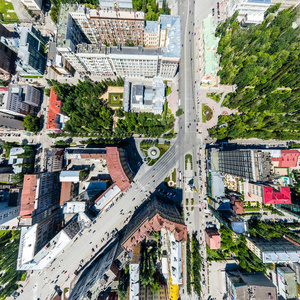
(252, 11)
(34, 5)
(69, 176)
(148, 98)
(175, 260)
(14, 160)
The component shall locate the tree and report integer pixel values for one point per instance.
(17, 178)
(120, 113)
(179, 112)
(47, 92)
(31, 123)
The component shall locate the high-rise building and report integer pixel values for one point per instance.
(248, 164)
(249, 286)
(30, 49)
(40, 197)
(8, 57)
(20, 99)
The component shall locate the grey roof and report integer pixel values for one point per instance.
(151, 27)
(136, 50)
(137, 93)
(120, 3)
(173, 23)
(260, 1)
(86, 150)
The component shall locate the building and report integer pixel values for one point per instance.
(33, 5)
(254, 165)
(40, 197)
(34, 255)
(249, 286)
(275, 250)
(56, 117)
(252, 10)
(212, 238)
(9, 205)
(208, 51)
(69, 176)
(112, 4)
(151, 34)
(287, 283)
(30, 49)
(268, 194)
(15, 160)
(153, 217)
(54, 159)
(148, 99)
(8, 57)
(80, 36)
(134, 274)
(286, 159)
(99, 276)
(175, 260)
(20, 100)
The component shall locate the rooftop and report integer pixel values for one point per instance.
(151, 27)
(288, 158)
(274, 197)
(28, 196)
(113, 14)
(54, 109)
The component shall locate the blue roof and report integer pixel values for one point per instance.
(151, 27)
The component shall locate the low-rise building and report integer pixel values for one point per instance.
(15, 160)
(212, 238)
(287, 283)
(148, 99)
(275, 250)
(33, 5)
(134, 273)
(56, 118)
(249, 286)
(54, 159)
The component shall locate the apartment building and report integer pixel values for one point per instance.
(82, 33)
(112, 4)
(40, 197)
(20, 99)
(287, 283)
(151, 34)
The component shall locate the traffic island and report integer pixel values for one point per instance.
(154, 151)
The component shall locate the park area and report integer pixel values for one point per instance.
(207, 113)
(154, 151)
(7, 14)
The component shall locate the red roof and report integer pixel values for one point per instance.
(115, 168)
(28, 196)
(55, 104)
(212, 238)
(65, 193)
(272, 197)
(289, 158)
(3, 89)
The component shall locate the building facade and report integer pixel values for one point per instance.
(8, 57)
(20, 100)
(287, 283)
(40, 197)
(253, 165)
(33, 5)
(30, 49)
(275, 250)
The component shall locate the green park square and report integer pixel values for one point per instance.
(115, 99)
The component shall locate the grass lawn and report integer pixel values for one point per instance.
(163, 149)
(33, 76)
(203, 115)
(115, 99)
(174, 175)
(7, 12)
(188, 157)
